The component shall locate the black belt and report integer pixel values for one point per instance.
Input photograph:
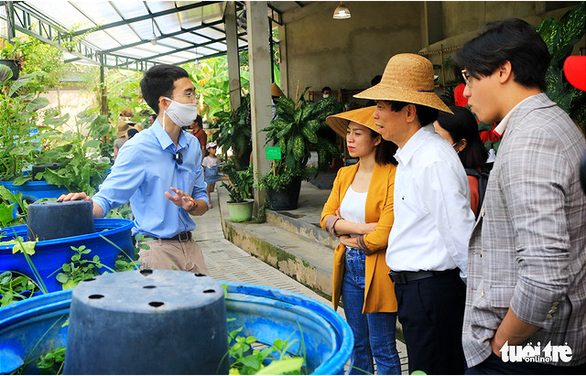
(182, 236)
(401, 278)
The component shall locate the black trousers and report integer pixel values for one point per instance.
(431, 311)
(494, 365)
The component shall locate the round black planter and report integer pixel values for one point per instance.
(14, 65)
(286, 198)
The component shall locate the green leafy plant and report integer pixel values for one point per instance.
(82, 168)
(560, 38)
(241, 183)
(235, 132)
(79, 269)
(274, 359)
(52, 362)
(15, 287)
(8, 201)
(27, 248)
(23, 127)
(295, 130)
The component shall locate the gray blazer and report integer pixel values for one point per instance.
(527, 250)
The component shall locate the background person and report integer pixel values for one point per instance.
(359, 211)
(427, 250)
(461, 131)
(211, 165)
(526, 278)
(199, 133)
(156, 160)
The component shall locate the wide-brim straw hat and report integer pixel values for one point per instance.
(276, 91)
(363, 116)
(407, 78)
(123, 126)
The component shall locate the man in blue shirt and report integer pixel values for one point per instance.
(157, 172)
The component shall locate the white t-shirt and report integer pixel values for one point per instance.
(353, 206)
(209, 162)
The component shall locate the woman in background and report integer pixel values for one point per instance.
(461, 130)
(359, 211)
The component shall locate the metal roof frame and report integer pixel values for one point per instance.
(117, 34)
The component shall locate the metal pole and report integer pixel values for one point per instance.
(10, 20)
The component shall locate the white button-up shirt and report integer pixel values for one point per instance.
(433, 219)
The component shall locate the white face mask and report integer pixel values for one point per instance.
(326, 95)
(182, 114)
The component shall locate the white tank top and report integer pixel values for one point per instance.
(353, 206)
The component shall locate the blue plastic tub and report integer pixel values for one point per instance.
(50, 255)
(34, 326)
(34, 190)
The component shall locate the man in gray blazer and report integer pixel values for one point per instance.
(525, 301)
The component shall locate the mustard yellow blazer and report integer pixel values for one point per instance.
(379, 294)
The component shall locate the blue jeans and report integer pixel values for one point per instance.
(374, 333)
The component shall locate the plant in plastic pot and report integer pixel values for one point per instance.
(295, 130)
(240, 191)
(11, 57)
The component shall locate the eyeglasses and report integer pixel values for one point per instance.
(178, 157)
(192, 96)
(466, 77)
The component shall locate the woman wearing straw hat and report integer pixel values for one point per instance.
(359, 211)
(428, 247)
(123, 127)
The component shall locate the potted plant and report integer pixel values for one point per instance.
(294, 130)
(11, 57)
(240, 191)
(235, 133)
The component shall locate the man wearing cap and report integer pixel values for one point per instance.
(159, 171)
(427, 250)
(526, 269)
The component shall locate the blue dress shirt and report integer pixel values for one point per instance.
(144, 169)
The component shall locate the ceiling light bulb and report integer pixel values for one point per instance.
(341, 12)
(153, 39)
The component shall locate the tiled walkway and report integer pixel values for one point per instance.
(227, 262)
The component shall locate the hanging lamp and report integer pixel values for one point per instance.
(342, 12)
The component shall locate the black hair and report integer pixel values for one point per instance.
(326, 88)
(425, 115)
(462, 125)
(511, 40)
(160, 81)
(198, 120)
(385, 151)
(131, 132)
(154, 116)
(376, 79)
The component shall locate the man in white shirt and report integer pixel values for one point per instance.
(428, 244)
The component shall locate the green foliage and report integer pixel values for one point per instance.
(8, 200)
(23, 127)
(295, 129)
(211, 79)
(246, 361)
(15, 287)
(82, 169)
(279, 181)
(560, 38)
(51, 363)
(241, 183)
(235, 132)
(79, 269)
